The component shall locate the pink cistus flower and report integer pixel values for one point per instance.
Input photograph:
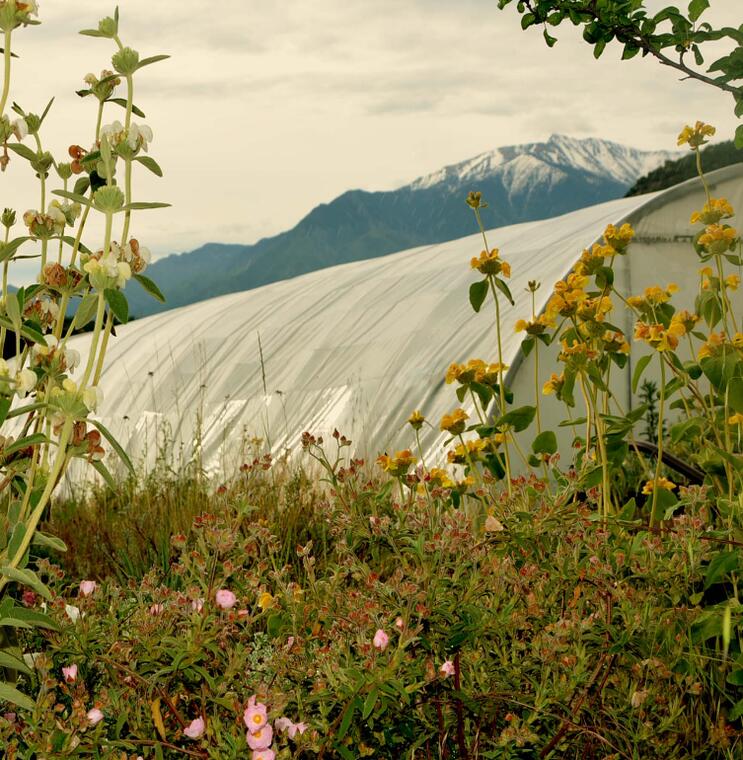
(87, 587)
(381, 640)
(447, 669)
(255, 715)
(95, 716)
(195, 728)
(197, 605)
(290, 727)
(260, 739)
(263, 754)
(70, 673)
(156, 609)
(226, 599)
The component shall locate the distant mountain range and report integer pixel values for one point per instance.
(520, 182)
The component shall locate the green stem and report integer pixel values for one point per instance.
(501, 388)
(659, 462)
(6, 78)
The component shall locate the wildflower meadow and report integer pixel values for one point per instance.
(510, 600)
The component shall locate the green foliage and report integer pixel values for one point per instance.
(672, 172)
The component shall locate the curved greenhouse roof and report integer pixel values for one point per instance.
(359, 346)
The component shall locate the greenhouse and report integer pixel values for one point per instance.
(358, 347)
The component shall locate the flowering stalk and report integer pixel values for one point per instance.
(659, 461)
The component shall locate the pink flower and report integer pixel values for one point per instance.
(197, 605)
(226, 599)
(70, 673)
(88, 587)
(156, 609)
(296, 727)
(381, 639)
(290, 727)
(195, 728)
(263, 754)
(95, 716)
(399, 623)
(255, 715)
(447, 669)
(260, 739)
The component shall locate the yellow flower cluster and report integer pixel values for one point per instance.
(618, 238)
(536, 326)
(651, 485)
(472, 451)
(736, 419)
(591, 260)
(594, 309)
(695, 136)
(718, 238)
(397, 465)
(711, 345)
(660, 337)
(416, 420)
(554, 384)
(576, 353)
(615, 342)
(455, 422)
(568, 295)
(713, 212)
(475, 371)
(490, 263)
(438, 478)
(653, 296)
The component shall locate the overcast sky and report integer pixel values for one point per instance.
(268, 108)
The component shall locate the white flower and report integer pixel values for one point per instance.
(72, 612)
(92, 397)
(4, 369)
(20, 128)
(113, 131)
(72, 358)
(145, 254)
(25, 381)
(139, 134)
(124, 273)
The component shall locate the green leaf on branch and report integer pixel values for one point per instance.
(150, 287)
(478, 294)
(26, 578)
(545, 443)
(49, 542)
(7, 660)
(517, 419)
(501, 285)
(639, 369)
(23, 150)
(10, 694)
(697, 8)
(124, 104)
(150, 164)
(152, 59)
(118, 303)
(81, 199)
(739, 137)
(720, 565)
(105, 474)
(115, 445)
(142, 206)
(86, 310)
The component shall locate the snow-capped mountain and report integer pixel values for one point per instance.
(530, 161)
(520, 182)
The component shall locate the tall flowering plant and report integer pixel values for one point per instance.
(48, 391)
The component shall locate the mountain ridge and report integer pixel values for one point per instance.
(520, 182)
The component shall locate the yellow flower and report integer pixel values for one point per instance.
(686, 319)
(455, 422)
(416, 420)
(714, 341)
(615, 343)
(471, 452)
(618, 239)
(732, 281)
(554, 384)
(737, 340)
(491, 263)
(398, 464)
(265, 600)
(736, 419)
(658, 337)
(653, 296)
(695, 136)
(664, 483)
(718, 238)
(716, 209)
(439, 478)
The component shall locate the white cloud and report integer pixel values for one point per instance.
(267, 109)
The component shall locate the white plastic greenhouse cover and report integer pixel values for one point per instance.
(359, 346)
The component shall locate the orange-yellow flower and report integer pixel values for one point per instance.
(695, 136)
(455, 422)
(736, 419)
(619, 239)
(712, 212)
(554, 384)
(416, 420)
(718, 238)
(397, 465)
(490, 263)
(709, 348)
(663, 483)
(471, 452)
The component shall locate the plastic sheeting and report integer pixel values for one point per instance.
(358, 347)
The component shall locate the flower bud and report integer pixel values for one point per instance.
(64, 171)
(125, 61)
(108, 199)
(108, 27)
(8, 217)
